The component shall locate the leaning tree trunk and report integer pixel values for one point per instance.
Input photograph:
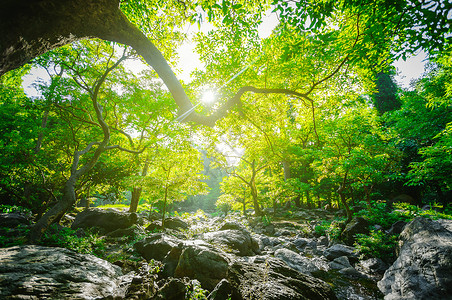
(68, 199)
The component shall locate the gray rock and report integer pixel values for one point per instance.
(202, 263)
(339, 250)
(172, 289)
(222, 291)
(36, 272)
(423, 269)
(397, 227)
(323, 241)
(12, 220)
(340, 263)
(356, 225)
(274, 280)
(107, 220)
(175, 223)
(296, 261)
(233, 226)
(156, 246)
(301, 243)
(373, 266)
(237, 241)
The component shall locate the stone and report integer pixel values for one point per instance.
(130, 232)
(301, 243)
(373, 266)
(222, 291)
(107, 220)
(233, 226)
(296, 261)
(156, 246)
(175, 223)
(237, 241)
(397, 227)
(356, 225)
(172, 289)
(12, 220)
(274, 280)
(423, 269)
(339, 250)
(202, 263)
(154, 226)
(339, 263)
(37, 272)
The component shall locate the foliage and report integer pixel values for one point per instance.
(88, 242)
(376, 244)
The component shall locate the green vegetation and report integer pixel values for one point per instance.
(308, 116)
(376, 244)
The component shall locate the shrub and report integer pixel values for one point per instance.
(89, 243)
(376, 244)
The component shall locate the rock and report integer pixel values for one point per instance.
(130, 232)
(356, 225)
(423, 269)
(373, 266)
(222, 291)
(301, 243)
(274, 280)
(339, 263)
(202, 263)
(12, 220)
(323, 241)
(350, 272)
(154, 226)
(339, 250)
(239, 242)
(107, 220)
(397, 227)
(175, 223)
(172, 289)
(36, 272)
(296, 261)
(233, 226)
(156, 246)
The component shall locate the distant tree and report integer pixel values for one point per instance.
(386, 97)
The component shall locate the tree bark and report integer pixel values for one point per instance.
(136, 192)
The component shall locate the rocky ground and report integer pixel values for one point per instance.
(231, 257)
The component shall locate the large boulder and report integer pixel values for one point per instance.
(423, 269)
(156, 246)
(202, 263)
(238, 242)
(274, 280)
(36, 272)
(338, 250)
(356, 225)
(107, 220)
(296, 261)
(12, 220)
(175, 223)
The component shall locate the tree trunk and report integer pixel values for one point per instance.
(343, 199)
(308, 200)
(297, 200)
(54, 214)
(164, 207)
(257, 208)
(136, 193)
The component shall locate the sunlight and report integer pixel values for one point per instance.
(208, 97)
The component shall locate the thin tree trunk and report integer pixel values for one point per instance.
(136, 192)
(164, 207)
(257, 208)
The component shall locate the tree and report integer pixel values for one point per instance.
(88, 104)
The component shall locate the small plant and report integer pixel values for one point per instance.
(376, 244)
(89, 243)
(266, 220)
(195, 291)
